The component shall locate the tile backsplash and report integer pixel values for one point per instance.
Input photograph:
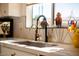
(54, 35)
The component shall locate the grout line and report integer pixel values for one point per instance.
(65, 36)
(62, 35)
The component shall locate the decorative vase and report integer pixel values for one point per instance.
(76, 39)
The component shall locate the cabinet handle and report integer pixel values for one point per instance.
(41, 55)
(13, 54)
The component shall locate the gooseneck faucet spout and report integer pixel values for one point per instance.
(44, 25)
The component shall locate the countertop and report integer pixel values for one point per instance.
(60, 50)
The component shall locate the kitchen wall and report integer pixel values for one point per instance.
(20, 29)
(54, 35)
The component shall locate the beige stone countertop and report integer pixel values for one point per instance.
(59, 50)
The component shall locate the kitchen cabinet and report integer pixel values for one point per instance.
(0, 49)
(6, 51)
(12, 9)
(3, 9)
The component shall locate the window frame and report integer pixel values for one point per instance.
(52, 13)
(52, 16)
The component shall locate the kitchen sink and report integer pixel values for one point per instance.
(36, 44)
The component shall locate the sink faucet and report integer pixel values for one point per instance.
(44, 25)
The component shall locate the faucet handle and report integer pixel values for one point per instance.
(44, 23)
(38, 36)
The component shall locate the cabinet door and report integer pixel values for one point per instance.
(12, 52)
(22, 53)
(5, 51)
(3, 9)
(14, 9)
(0, 49)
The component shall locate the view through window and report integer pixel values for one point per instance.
(69, 11)
(42, 9)
(37, 10)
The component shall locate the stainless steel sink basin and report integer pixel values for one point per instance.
(36, 44)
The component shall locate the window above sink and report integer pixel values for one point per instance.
(35, 10)
(68, 12)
